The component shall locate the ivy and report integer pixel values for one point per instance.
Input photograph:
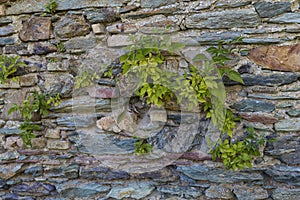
(142, 147)
(239, 154)
(51, 7)
(35, 103)
(85, 78)
(8, 66)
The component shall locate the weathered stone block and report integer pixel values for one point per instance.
(249, 105)
(250, 193)
(285, 194)
(35, 28)
(118, 41)
(53, 133)
(71, 26)
(9, 170)
(156, 3)
(98, 28)
(259, 117)
(287, 18)
(103, 92)
(219, 192)
(28, 80)
(20, 49)
(288, 125)
(287, 57)
(57, 144)
(223, 19)
(103, 15)
(38, 143)
(41, 48)
(269, 9)
(6, 41)
(7, 30)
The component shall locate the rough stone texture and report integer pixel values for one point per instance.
(7, 30)
(283, 173)
(287, 125)
(219, 192)
(232, 3)
(285, 148)
(6, 41)
(258, 117)
(217, 175)
(53, 133)
(286, 57)
(223, 19)
(253, 106)
(268, 9)
(287, 18)
(118, 41)
(55, 144)
(71, 26)
(187, 192)
(29, 6)
(104, 15)
(243, 192)
(285, 194)
(156, 3)
(20, 49)
(35, 28)
(136, 190)
(9, 170)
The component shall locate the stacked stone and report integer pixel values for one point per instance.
(61, 166)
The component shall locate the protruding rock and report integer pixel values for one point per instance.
(287, 57)
(71, 26)
(36, 28)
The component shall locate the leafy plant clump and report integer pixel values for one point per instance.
(239, 154)
(142, 147)
(85, 78)
(35, 104)
(51, 7)
(8, 66)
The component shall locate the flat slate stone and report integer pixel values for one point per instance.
(244, 192)
(6, 41)
(178, 190)
(219, 192)
(249, 105)
(285, 174)
(204, 173)
(285, 194)
(268, 9)
(5, 21)
(7, 30)
(156, 3)
(31, 6)
(287, 18)
(285, 148)
(288, 125)
(223, 19)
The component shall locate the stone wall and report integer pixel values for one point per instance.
(73, 158)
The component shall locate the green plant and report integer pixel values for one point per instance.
(35, 103)
(8, 66)
(51, 7)
(60, 47)
(142, 147)
(238, 155)
(85, 78)
(198, 85)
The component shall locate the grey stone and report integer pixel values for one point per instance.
(273, 97)
(248, 105)
(71, 26)
(80, 189)
(288, 125)
(284, 105)
(275, 79)
(80, 43)
(35, 28)
(35, 171)
(83, 103)
(232, 3)
(103, 15)
(71, 171)
(20, 49)
(53, 133)
(7, 30)
(204, 173)
(2, 184)
(220, 192)
(5, 21)
(10, 131)
(118, 41)
(30, 6)
(268, 9)
(285, 148)
(38, 143)
(285, 194)
(6, 41)
(36, 189)
(9, 155)
(182, 191)
(42, 48)
(223, 19)
(285, 174)
(264, 40)
(76, 121)
(156, 3)
(104, 173)
(287, 18)
(293, 113)
(9, 170)
(244, 192)
(215, 38)
(135, 190)
(57, 144)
